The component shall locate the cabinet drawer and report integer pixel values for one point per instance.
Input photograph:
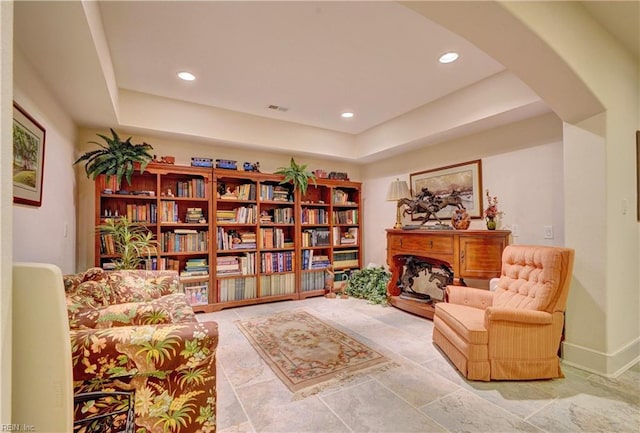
(422, 244)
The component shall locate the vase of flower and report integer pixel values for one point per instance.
(491, 223)
(491, 213)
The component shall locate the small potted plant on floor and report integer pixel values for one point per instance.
(116, 158)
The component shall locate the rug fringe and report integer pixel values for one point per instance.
(341, 380)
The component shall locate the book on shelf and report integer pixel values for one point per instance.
(311, 281)
(237, 289)
(312, 260)
(191, 188)
(341, 197)
(194, 215)
(236, 265)
(346, 258)
(314, 216)
(274, 193)
(277, 284)
(184, 240)
(348, 216)
(246, 191)
(280, 261)
(315, 237)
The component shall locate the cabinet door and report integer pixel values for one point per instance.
(481, 256)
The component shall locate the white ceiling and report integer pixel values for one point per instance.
(316, 59)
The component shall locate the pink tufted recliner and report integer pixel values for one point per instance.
(514, 332)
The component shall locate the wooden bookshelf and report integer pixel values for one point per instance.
(174, 203)
(262, 242)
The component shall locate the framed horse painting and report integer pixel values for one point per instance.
(464, 181)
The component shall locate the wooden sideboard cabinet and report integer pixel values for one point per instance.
(469, 253)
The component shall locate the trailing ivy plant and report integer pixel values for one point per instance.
(369, 284)
(298, 175)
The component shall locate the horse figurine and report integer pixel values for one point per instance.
(430, 205)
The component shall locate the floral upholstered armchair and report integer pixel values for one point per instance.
(134, 338)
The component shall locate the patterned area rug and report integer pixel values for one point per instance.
(307, 354)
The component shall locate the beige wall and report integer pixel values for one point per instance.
(521, 164)
(47, 233)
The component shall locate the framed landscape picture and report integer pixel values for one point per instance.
(28, 158)
(466, 178)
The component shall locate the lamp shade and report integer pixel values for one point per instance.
(398, 189)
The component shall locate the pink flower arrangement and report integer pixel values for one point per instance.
(491, 212)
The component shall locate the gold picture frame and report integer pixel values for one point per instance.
(28, 158)
(466, 178)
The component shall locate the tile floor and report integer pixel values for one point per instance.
(424, 394)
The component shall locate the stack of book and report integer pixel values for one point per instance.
(227, 265)
(274, 193)
(194, 215)
(195, 267)
(280, 193)
(345, 259)
(247, 241)
(226, 215)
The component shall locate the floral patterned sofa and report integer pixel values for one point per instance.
(134, 337)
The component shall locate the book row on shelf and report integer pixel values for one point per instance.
(273, 262)
(277, 284)
(345, 258)
(240, 215)
(196, 188)
(246, 191)
(313, 260)
(274, 192)
(314, 216)
(237, 289)
(315, 237)
(184, 240)
(235, 240)
(274, 238)
(142, 213)
(313, 281)
(236, 265)
(349, 216)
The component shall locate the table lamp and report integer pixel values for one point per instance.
(397, 191)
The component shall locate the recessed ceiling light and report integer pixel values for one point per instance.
(449, 57)
(347, 115)
(186, 76)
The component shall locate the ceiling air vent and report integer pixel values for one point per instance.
(277, 108)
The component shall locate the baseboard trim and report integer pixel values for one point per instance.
(610, 365)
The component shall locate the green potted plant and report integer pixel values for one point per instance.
(131, 241)
(116, 158)
(298, 175)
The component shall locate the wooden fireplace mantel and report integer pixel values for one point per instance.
(470, 253)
